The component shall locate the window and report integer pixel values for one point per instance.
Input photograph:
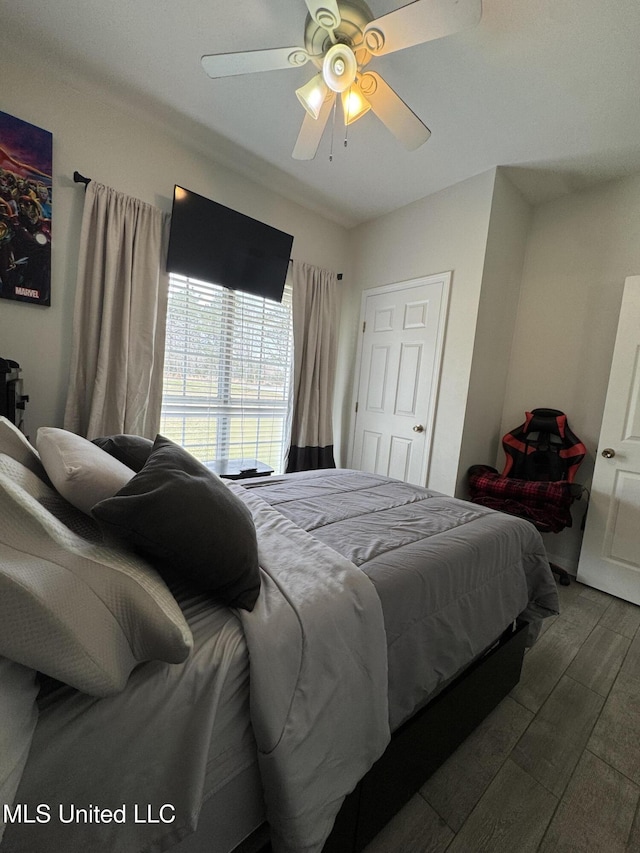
(227, 372)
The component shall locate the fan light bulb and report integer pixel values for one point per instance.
(312, 95)
(339, 67)
(354, 106)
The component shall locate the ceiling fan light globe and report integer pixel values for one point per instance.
(339, 67)
(354, 106)
(312, 95)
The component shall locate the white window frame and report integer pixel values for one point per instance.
(238, 322)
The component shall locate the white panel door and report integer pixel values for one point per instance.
(399, 366)
(610, 555)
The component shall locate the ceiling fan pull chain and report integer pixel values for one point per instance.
(346, 119)
(333, 130)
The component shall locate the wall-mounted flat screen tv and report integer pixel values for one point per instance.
(213, 243)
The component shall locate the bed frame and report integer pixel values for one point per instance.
(420, 746)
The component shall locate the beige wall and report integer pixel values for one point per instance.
(534, 308)
(579, 252)
(446, 231)
(93, 134)
(499, 299)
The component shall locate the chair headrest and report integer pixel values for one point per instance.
(546, 420)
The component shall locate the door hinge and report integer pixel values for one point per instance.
(364, 326)
(356, 407)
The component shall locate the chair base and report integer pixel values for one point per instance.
(563, 576)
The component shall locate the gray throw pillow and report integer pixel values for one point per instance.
(181, 515)
(132, 450)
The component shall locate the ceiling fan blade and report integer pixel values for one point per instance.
(392, 111)
(312, 130)
(251, 61)
(421, 21)
(325, 13)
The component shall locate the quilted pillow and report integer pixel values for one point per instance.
(79, 611)
(81, 471)
(19, 715)
(79, 522)
(15, 444)
(132, 450)
(180, 514)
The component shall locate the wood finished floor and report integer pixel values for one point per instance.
(556, 767)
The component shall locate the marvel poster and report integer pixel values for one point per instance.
(25, 211)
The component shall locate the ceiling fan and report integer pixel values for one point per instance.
(340, 39)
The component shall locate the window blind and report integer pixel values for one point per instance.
(227, 372)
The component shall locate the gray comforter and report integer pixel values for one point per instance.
(451, 575)
(318, 679)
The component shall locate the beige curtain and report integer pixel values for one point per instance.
(120, 315)
(315, 318)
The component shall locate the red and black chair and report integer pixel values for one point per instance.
(537, 483)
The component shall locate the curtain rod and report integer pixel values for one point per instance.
(338, 275)
(80, 179)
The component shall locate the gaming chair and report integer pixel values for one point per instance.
(537, 483)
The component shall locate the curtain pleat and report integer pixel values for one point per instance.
(120, 317)
(315, 318)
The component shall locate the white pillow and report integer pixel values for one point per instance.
(15, 444)
(83, 613)
(19, 715)
(81, 471)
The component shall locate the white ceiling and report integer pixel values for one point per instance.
(549, 88)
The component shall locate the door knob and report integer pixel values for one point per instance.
(608, 453)
(418, 428)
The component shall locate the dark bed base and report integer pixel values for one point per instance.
(424, 742)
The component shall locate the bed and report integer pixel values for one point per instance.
(383, 609)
